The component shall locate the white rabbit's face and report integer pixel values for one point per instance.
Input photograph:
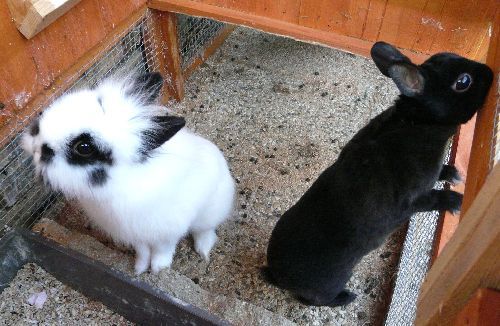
(82, 136)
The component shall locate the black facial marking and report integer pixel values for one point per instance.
(99, 100)
(98, 177)
(83, 150)
(164, 128)
(47, 153)
(35, 128)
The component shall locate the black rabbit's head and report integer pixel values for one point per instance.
(449, 88)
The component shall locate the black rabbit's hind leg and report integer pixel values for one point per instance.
(340, 299)
(343, 299)
(438, 200)
(450, 174)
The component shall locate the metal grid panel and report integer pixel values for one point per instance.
(414, 264)
(194, 36)
(22, 199)
(495, 143)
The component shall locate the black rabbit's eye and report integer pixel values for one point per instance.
(462, 83)
(84, 148)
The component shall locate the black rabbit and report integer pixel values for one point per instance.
(383, 175)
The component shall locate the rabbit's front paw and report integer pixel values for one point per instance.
(141, 265)
(142, 257)
(203, 242)
(160, 262)
(162, 256)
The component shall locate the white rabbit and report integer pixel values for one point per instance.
(139, 175)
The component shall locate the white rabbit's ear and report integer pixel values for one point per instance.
(164, 128)
(394, 64)
(146, 87)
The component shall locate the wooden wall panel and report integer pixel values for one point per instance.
(401, 20)
(29, 67)
(374, 19)
(420, 26)
(426, 32)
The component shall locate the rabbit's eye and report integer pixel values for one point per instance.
(84, 148)
(462, 83)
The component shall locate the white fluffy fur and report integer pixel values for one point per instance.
(185, 187)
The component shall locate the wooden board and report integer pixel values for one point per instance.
(459, 157)
(483, 309)
(31, 16)
(306, 29)
(165, 35)
(481, 152)
(468, 262)
(418, 27)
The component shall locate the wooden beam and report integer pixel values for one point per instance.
(168, 54)
(459, 157)
(272, 25)
(483, 309)
(481, 152)
(32, 16)
(469, 260)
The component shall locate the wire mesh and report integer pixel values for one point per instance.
(414, 264)
(194, 35)
(22, 199)
(495, 144)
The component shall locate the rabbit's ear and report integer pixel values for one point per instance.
(385, 56)
(147, 86)
(165, 127)
(407, 78)
(394, 64)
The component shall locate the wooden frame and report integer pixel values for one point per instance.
(449, 284)
(481, 310)
(469, 259)
(165, 34)
(481, 152)
(468, 262)
(34, 70)
(418, 28)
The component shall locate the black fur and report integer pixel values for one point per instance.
(98, 177)
(35, 128)
(450, 174)
(382, 176)
(99, 155)
(163, 128)
(147, 86)
(47, 154)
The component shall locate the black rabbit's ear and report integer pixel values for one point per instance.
(394, 64)
(407, 78)
(147, 87)
(385, 55)
(165, 127)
